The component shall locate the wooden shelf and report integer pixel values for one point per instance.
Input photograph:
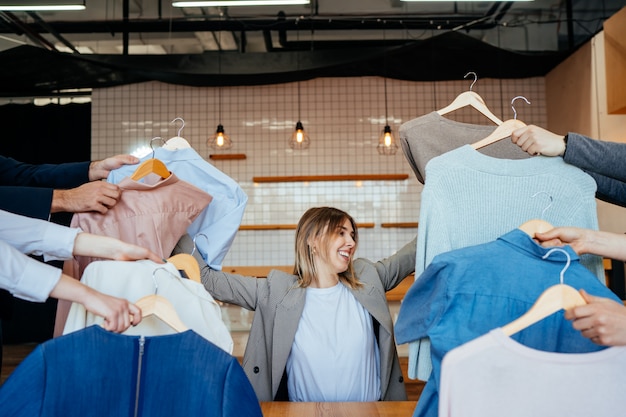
(290, 226)
(315, 178)
(405, 225)
(268, 226)
(227, 156)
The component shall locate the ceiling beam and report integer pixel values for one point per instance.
(246, 25)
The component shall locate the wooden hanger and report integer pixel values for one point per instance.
(186, 263)
(504, 130)
(470, 98)
(555, 298)
(177, 142)
(535, 226)
(163, 309)
(151, 166)
(160, 306)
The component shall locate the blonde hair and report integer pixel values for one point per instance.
(322, 223)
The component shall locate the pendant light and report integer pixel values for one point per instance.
(387, 144)
(220, 140)
(299, 138)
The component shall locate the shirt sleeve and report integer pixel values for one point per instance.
(25, 277)
(37, 237)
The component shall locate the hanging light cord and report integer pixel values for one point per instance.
(385, 77)
(219, 71)
(299, 101)
(386, 112)
(298, 70)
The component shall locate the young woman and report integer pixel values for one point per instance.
(324, 333)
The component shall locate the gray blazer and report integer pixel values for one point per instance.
(278, 305)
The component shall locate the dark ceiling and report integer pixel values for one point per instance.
(114, 42)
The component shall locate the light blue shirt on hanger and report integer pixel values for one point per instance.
(220, 221)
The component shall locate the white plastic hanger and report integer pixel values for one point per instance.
(160, 307)
(177, 142)
(504, 130)
(470, 98)
(555, 298)
(151, 166)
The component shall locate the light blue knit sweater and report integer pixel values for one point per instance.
(471, 198)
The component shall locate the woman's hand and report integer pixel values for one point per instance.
(118, 314)
(88, 244)
(602, 320)
(538, 141)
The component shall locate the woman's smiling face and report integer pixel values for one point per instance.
(341, 246)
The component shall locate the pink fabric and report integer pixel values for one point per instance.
(152, 214)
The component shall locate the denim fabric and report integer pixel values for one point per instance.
(467, 292)
(92, 372)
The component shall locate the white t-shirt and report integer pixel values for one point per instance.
(495, 376)
(334, 356)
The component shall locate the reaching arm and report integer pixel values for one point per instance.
(605, 244)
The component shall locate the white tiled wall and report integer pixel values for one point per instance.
(343, 116)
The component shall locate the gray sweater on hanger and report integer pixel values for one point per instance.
(431, 135)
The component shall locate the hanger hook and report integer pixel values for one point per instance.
(475, 79)
(194, 241)
(513, 107)
(543, 212)
(566, 264)
(181, 127)
(156, 285)
(152, 147)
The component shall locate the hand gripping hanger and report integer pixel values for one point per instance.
(470, 98)
(160, 307)
(555, 298)
(151, 166)
(504, 130)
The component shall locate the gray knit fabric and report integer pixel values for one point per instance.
(431, 135)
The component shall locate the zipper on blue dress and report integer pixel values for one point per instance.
(142, 342)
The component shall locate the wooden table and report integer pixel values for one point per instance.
(347, 409)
